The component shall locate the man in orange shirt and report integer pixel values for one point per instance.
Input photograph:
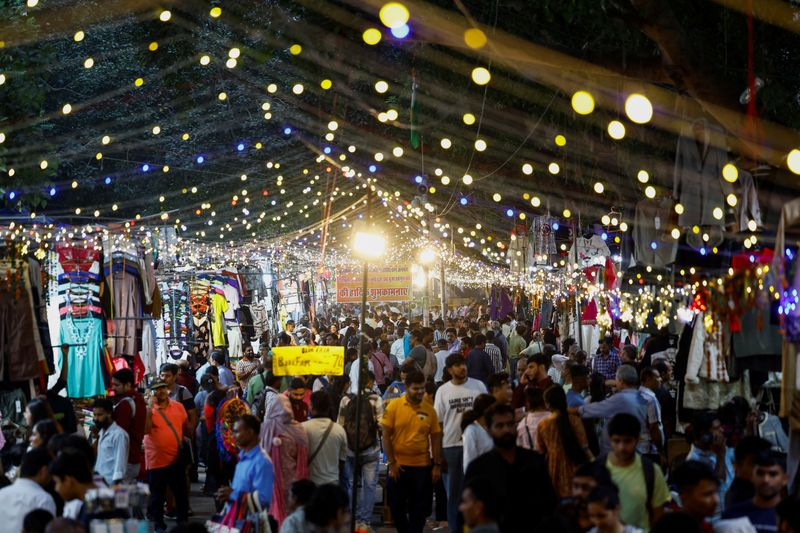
(165, 426)
(411, 433)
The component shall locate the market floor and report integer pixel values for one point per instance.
(203, 508)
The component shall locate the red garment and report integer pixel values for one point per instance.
(208, 416)
(188, 381)
(133, 424)
(741, 261)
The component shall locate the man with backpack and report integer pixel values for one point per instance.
(642, 489)
(368, 445)
(267, 392)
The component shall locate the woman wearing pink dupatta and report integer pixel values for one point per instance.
(284, 441)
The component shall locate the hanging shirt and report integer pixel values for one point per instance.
(85, 353)
(589, 252)
(219, 305)
(654, 246)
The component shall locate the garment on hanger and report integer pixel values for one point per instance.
(20, 346)
(748, 207)
(85, 351)
(698, 183)
(706, 352)
(654, 246)
(589, 252)
(542, 241)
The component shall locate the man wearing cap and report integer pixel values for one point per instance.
(452, 400)
(165, 425)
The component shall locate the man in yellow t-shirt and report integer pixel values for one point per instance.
(627, 473)
(411, 434)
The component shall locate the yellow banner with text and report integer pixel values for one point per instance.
(308, 360)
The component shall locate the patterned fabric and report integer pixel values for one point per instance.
(560, 467)
(496, 355)
(606, 365)
(229, 411)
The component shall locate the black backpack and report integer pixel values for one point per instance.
(368, 436)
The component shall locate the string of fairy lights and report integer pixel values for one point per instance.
(251, 209)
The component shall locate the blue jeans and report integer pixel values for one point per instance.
(453, 480)
(368, 484)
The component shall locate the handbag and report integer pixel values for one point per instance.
(231, 521)
(184, 446)
(257, 516)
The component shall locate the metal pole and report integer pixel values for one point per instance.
(362, 365)
(425, 296)
(441, 279)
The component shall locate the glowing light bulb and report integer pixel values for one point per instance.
(553, 168)
(475, 38)
(446, 143)
(599, 188)
(222, 96)
(496, 197)
(718, 213)
(643, 176)
(567, 213)
(679, 209)
(272, 88)
(527, 169)
(381, 87)
(394, 14)
(106, 139)
(481, 76)
(67, 109)
(676, 233)
(152, 46)
(392, 114)
(793, 161)
(606, 220)
(156, 130)
(730, 173)
(616, 130)
(88, 63)
(535, 201)
(582, 102)
(638, 108)
(650, 191)
(480, 145)
(79, 36)
(215, 12)
(138, 82)
(445, 180)
(297, 88)
(295, 49)
(164, 16)
(326, 84)
(397, 151)
(560, 140)
(333, 125)
(467, 179)
(371, 36)
(469, 119)
(731, 200)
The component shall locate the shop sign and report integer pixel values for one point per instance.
(308, 360)
(388, 284)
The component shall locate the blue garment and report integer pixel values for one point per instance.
(84, 336)
(764, 520)
(574, 399)
(202, 370)
(367, 486)
(226, 376)
(254, 473)
(406, 343)
(479, 365)
(625, 401)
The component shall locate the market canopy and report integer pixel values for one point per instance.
(252, 122)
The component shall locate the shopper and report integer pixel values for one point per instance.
(518, 477)
(27, 492)
(381, 364)
(112, 444)
(604, 511)
(42, 432)
(72, 474)
(630, 472)
(284, 440)
(479, 507)
(770, 479)
(130, 413)
(254, 472)
(499, 386)
(327, 442)
(441, 360)
(452, 400)
(742, 489)
(495, 354)
(479, 363)
(535, 412)
(166, 424)
(562, 439)
(326, 512)
(369, 447)
(411, 433)
(698, 489)
(300, 398)
(247, 367)
(579, 376)
(606, 362)
(300, 494)
(178, 393)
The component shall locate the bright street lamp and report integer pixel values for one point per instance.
(367, 245)
(426, 258)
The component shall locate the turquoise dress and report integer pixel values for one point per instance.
(84, 337)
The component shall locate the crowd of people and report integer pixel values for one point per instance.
(488, 425)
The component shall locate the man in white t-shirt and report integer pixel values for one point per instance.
(327, 442)
(452, 400)
(441, 359)
(398, 346)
